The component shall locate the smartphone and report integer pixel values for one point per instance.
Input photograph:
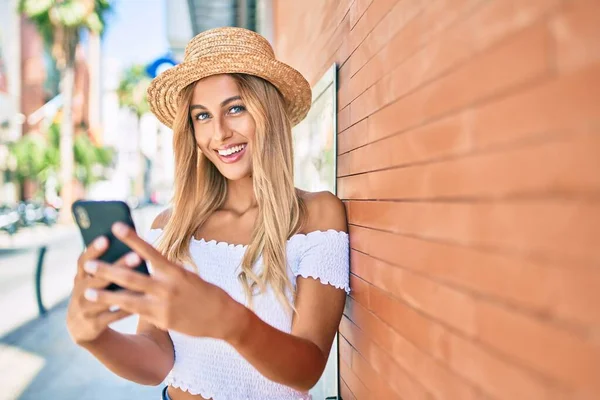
(96, 218)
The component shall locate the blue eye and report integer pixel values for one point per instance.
(236, 109)
(202, 117)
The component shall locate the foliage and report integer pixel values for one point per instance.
(88, 157)
(38, 159)
(132, 90)
(60, 21)
(29, 154)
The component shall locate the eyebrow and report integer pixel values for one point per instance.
(223, 103)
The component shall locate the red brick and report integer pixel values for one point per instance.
(357, 10)
(343, 119)
(496, 377)
(398, 379)
(498, 19)
(345, 392)
(558, 105)
(443, 138)
(485, 27)
(358, 389)
(394, 21)
(345, 349)
(360, 290)
(436, 58)
(353, 137)
(518, 61)
(577, 34)
(551, 229)
(434, 376)
(440, 302)
(378, 387)
(374, 13)
(540, 288)
(576, 295)
(476, 119)
(561, 104)
(465, 358)
(334, 43)
(421, 331)
(436, 17)
(555, 352)
(565, 165)
(380, 333)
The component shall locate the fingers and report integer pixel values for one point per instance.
(108, 317)
(122, 276)
(130, 260)
(93, 251)
(134, 303)
(139, 245)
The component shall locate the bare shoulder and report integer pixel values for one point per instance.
(325, 211)
(161, 219)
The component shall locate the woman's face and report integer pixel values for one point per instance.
(223, 128)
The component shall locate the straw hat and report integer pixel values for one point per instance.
(228, 50)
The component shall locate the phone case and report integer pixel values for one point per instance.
(96, 218)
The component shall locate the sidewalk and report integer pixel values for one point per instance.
(29, 237)
(38, 361)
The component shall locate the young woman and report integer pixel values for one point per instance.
(249, 274)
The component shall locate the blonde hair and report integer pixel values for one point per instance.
(200, 189)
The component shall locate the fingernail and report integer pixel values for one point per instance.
(119, 228)
(91, 295)
(100, 243)
(132, 259)
(90, 267)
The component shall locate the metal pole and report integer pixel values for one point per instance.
(38, 281)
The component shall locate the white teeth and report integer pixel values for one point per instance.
(231, 150)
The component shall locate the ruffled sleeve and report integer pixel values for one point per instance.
(325, 255)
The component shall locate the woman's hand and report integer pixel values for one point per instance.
(86, 320)
(171, 299)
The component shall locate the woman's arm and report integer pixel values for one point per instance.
(145, 358)
(298, 359)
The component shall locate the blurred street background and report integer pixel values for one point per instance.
(461, 135)
(76, 111)
(37, 358)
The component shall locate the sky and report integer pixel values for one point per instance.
(136, 32)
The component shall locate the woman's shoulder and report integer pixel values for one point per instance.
(325, 211)
(161, 219)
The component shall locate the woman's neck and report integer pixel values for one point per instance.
(240, 196)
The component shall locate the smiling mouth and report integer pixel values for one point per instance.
(232, 154)
(231, 150)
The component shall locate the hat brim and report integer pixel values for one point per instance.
(165, 89)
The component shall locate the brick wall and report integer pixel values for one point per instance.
(469, 163)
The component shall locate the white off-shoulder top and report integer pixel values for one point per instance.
(214, 369)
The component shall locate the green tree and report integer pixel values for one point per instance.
(89, 158)
(29, 155)
(132, 90)
(132, 95)
(37, 159)
(60, 23)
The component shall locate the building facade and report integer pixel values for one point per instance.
(468, 145)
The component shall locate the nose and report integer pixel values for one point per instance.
(222, 131)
